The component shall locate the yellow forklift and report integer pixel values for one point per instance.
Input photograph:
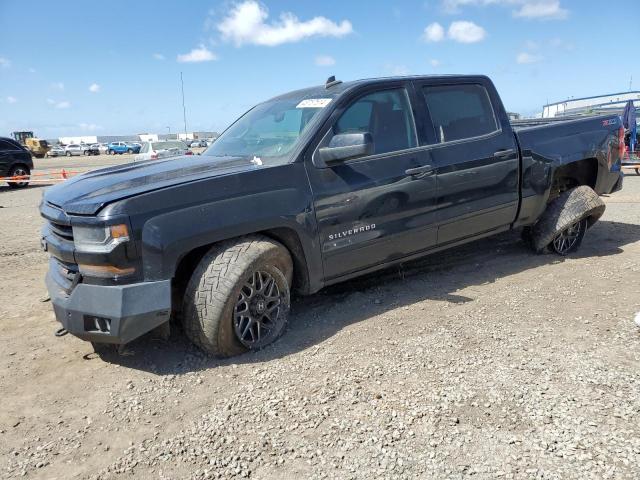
(37, 147)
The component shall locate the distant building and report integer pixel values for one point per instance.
(148, 137)
(142, 137)
(80, 139)
(613, 102)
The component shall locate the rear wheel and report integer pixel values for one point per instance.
(569, 240)
(129, 151)
(68, 154)
(112, 152)
(562, 226)
(238, 298)
(19, 171)
(637, 171)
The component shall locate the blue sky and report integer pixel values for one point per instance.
(80, 67)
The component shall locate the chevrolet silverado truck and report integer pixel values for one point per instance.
(309, 189)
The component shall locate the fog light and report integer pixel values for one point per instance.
(97, 324)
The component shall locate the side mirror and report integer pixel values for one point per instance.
(345, 146)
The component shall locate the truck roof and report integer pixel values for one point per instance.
(320, 91)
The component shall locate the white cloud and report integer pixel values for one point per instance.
(57, 86)
(325, 61)
(94, 88)
(526, 57)
(531, 9)
(61, 105)
(11, 99)
(158, 56)
(433, 33)
(541, 9)
(466, 32)
(5, 62)
(89, 127)
(246, 24)
(199, 54)
(435, 63)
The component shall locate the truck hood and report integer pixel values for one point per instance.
(86, 194)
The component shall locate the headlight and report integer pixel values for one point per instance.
(99, 239)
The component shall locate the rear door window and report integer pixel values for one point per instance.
(460, 111)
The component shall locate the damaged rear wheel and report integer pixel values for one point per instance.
(563, 224)
(569, 240)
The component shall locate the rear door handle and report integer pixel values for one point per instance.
(421, 171)
(504, 153)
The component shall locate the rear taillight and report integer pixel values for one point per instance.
(621, 145)
(154, 156)
(188, 152)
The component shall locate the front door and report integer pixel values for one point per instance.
(380, 207)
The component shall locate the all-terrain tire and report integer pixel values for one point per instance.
(215, 285)
(568, 209)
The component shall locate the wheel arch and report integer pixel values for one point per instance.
(289, 239)
(585, 171)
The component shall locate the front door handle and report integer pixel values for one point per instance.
(419, 171)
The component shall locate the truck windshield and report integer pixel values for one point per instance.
(269, 131)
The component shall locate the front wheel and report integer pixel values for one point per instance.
(68, 154)
(19, 171)
(637, 171)
(129, 151)
(238, 298)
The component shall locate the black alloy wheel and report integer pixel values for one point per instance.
(257, 314)
(569, 239)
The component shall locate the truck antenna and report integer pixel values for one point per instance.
(331, 81)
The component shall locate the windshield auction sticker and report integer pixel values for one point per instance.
(314, 103)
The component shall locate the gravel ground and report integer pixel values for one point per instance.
(482, 362)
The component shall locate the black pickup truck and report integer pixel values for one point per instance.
(309, 189)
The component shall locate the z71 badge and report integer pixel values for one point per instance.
(352, 231)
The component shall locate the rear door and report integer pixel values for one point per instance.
(372, 209)
(475, 155)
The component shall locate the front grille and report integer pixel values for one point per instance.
(62, 231)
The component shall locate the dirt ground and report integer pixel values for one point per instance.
(485, 361)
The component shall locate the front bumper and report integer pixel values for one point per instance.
(111, 314)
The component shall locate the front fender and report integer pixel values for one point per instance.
(168, 237)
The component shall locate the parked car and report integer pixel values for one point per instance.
(198, 143)
(94, 149)
(15, 161)
(74, 149)
(122, 147)
(166, 149)
(309, 189)
(56, 151)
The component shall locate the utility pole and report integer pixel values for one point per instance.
(630, 82)
(184, 110)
